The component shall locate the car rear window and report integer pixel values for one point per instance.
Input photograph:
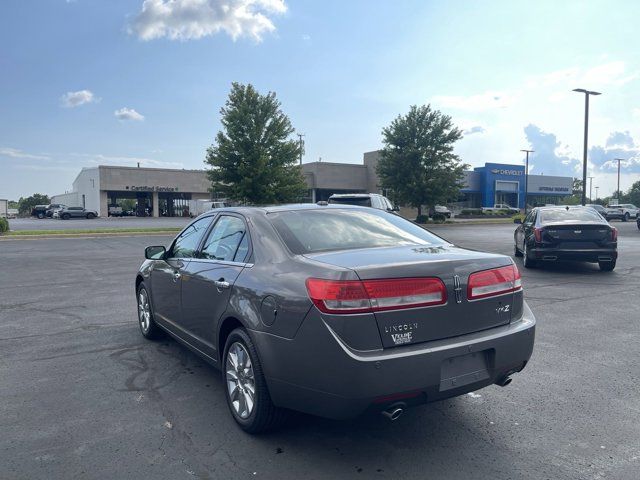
(311, 231)
(571, 215)
(359, 201)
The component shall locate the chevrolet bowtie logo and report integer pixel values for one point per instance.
(457, 288)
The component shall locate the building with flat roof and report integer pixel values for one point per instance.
(483, 186)
(168, 192)
(157, 191)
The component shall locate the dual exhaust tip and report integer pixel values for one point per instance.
(395, 411)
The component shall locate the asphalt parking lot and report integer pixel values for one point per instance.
(83, 395)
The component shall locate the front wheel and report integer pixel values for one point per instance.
(247, 394)
(41, 216)
(607, 266)
(626, 217)
(147, 324)
(66, 216)
(90, 216)
(527, 262)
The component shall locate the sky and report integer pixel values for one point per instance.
(93, 82)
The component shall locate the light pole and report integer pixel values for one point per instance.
(586, 136)
(590, 189)
(618, 194)
(597, 193)
(301, 137)
(526, 178)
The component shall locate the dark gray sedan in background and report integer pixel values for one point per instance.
(334, 310)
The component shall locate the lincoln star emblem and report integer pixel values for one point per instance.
(457, 288)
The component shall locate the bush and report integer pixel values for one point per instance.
(472, 211)
(422, 219)
(439, 218)
(4, 225)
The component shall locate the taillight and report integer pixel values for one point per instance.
(614, 234)
(496, 281)
(537, 233)
(339, 296)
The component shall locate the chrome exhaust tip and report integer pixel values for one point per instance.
(504, 381)
(394, 412)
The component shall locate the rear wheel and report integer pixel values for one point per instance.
(527, 262)
(90, 216)
(247, 394)
(66, 216)
(607, 266)
(626, 217)
(40, 215)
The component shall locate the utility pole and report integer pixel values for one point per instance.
(618, 194)
(597, 193)
(526, 178)
(586, 137)
(590, 189)
(301, 136)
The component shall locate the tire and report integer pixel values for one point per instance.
(41, 216)
(516, 251)
(526, 260)
(607, 266)
(90, 216)
(66, 216)
(638, 224)
(242, 375)
(147, 324)
(626, 217)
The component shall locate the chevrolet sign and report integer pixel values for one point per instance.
(515, 173)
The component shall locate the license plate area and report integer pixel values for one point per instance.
(459, 371)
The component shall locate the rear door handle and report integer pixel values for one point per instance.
(221, 284)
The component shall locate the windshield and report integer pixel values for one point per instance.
(571, 215)
(311, 231)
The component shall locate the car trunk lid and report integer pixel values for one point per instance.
(576, 235)
(452, 265)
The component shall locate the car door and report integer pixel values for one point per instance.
(528, 226)
(166, 275)
(522, 230)
(209, 279)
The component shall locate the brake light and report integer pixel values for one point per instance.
(496, 281)
(614, 234)
(537, 233)
(339, 296)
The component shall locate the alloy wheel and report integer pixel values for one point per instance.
(240, 380)
(144, 311)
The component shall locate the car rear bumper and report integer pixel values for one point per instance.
(315, 372)
(582, 255)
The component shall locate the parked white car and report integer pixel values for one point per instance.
(501, 206)
(628, 210)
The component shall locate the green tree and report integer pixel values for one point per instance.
(12, 204)
(254, 159)
(26, 204)
(633, 194)
(417, 162)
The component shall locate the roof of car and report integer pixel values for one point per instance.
(353, 195)
(285, 208)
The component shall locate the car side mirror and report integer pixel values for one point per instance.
(517, 220)
(156, 252)
(396, 208)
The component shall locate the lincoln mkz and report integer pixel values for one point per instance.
(334, 310)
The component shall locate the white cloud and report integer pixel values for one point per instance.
(128, 114)
(15, 153)
(75, 99)
(193, 19)
(481, 102)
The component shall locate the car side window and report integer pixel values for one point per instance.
(186, 244)
(375, 202)
(227, 240)
(529, 217)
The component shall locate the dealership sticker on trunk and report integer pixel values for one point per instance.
(401, 333)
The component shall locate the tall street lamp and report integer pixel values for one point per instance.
(586, 136)
(526, 178)
(590, 189)
(596, 193)
(618, 194)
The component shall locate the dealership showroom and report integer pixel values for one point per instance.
(166, 192)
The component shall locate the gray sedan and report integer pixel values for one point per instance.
(334, 311)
